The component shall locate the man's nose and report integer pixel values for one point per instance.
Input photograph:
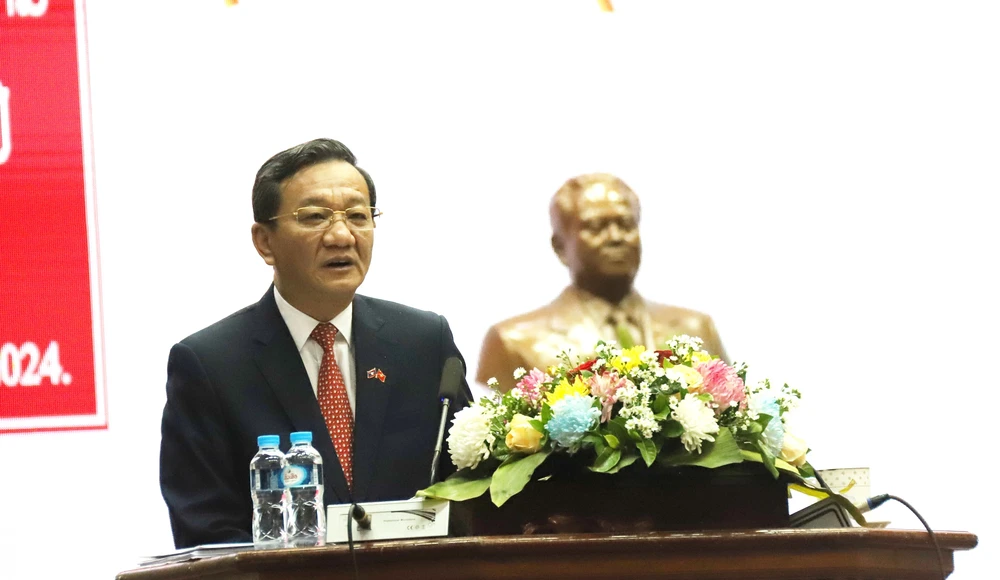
(338, 233)
(615, 233)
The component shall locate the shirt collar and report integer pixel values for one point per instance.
(301, 325)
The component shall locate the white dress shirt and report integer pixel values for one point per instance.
(301, 326)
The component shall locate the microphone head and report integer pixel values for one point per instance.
(452, 377)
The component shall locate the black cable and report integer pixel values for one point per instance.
(350, 541)
(875, 503)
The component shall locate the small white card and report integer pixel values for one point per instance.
(391, 520)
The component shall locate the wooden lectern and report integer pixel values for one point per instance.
(849, 553)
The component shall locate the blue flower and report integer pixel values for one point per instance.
(572, 416)
(774, 434)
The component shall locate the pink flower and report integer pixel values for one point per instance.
(721, 381)
(605, 387)
(531, 385)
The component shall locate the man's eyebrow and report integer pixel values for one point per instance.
(353, 200)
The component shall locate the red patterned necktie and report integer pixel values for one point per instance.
(333, 402)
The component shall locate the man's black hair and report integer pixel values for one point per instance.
(267, 186)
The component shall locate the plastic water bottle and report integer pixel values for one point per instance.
(268, 493)
(303, 479)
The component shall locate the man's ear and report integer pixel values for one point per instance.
(261, 235)
(560, 248)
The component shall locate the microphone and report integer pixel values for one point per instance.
(363, 518)
(452, 376)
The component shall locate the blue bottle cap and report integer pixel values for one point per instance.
(301, 437)
(268, 441)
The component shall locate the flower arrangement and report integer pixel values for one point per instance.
(623, 406)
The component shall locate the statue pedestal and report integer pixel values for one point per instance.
(637, 500)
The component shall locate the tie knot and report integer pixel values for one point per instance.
(619, 318)
(324, 333)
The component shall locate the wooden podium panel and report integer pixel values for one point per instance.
(783, 554)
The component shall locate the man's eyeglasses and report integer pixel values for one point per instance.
(357, 219)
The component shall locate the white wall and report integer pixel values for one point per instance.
(817, 176)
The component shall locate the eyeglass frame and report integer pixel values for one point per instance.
(376, 212)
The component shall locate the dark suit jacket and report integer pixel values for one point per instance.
(243, 377)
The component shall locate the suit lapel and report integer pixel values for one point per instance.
(371, 351)
(281, 364)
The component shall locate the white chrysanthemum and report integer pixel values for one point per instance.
(467, 437)
(698, 421)
(519, 373)
(492, 383)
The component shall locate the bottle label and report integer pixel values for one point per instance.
(266, 479)
(296, 475)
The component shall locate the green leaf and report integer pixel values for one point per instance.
(600, 447)
(724, 451)
(617, 428)
(537, 425)
(661, 405)
(593, 438)
(606, 461)
(460, 486)
(779, 464)
(768, 458)
(612, 441)
(648, 451)
(672, 429)
(513, 475)
(626, 460)
(546, 413)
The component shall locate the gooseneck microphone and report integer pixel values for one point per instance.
(452, 375)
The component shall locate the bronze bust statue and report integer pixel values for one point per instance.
(595, 233)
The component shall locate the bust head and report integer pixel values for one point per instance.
(595, 233)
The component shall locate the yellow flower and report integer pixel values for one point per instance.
(628, 360)
(699, 356)
(564, 389)
(522, 436)
(692, 377)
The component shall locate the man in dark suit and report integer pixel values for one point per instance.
(361, 374)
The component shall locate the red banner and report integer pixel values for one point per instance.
(51, 359)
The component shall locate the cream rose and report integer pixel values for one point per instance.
(692, 378)
(793, 450)
(522, 436)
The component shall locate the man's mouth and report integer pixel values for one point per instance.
(617, 253)
(338, 263)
